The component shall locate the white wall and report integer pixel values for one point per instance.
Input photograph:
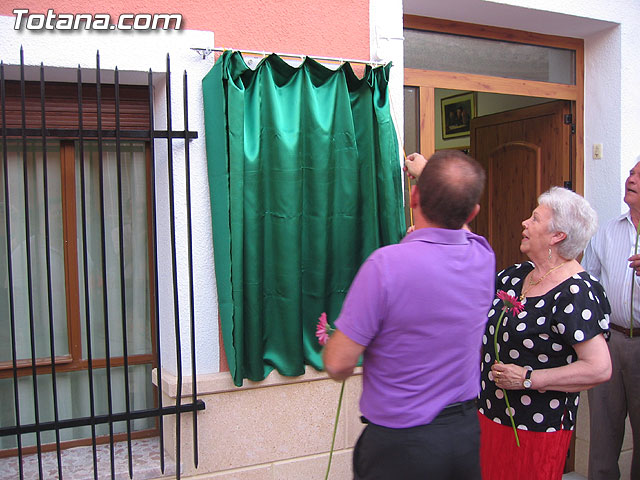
(386, 37)
(134, 53)
(612, 69)
(612, 98)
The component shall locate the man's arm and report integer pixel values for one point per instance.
(592, 367)
(590, 261)
(341, 355)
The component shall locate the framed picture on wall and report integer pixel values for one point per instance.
(457, 112)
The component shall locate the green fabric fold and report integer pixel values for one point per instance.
(305, 183)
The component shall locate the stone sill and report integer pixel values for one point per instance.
(213, 383)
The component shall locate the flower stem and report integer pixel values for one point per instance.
(633, 282)
(335, 429)
(513, 424)
(506, 398)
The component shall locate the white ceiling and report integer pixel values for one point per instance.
(500, 15)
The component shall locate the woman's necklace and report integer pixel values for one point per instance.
(533, 283)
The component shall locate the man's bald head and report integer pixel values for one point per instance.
(450, 186)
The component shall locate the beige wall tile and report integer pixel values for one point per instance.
(627, 443)
(582, 456)
(314, 468)
(352, 417)
(262, 472)
(582, 422)
(259, 426)
(625, 463)
(582, 441)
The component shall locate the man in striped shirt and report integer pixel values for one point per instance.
(611, 256)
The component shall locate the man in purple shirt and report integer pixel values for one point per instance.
(417, 312)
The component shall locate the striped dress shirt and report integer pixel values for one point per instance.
(606, 258)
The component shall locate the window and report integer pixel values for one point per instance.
(447, 52)
(45, 286)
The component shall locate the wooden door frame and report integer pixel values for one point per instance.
(426, 81)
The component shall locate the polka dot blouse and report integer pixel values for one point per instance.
(541, 336)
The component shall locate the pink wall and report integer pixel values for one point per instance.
(335, 28)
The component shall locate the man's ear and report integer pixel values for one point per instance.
(473, 214)
(414, 199)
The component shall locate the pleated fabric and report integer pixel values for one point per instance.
(540, 456)
(305, 182)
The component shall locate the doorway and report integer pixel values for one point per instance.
(507, 144)
(425, 107)
(526, 145)
(524, 152)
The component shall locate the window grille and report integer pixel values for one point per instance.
(42, 136)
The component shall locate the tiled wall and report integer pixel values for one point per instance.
(582, 442)
(277, 429)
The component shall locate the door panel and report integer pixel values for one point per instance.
(509, 161)
(524, 152)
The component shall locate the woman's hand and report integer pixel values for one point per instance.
(592, 367)
(508, 375)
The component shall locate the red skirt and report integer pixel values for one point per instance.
(540, 456)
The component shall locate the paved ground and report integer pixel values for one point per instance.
(573, 476)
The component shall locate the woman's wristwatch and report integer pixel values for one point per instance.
(527, 379)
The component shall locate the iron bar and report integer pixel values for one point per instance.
(154, 228)
(27, 226)
(100, 419)
(192, 323)
(47, 238)
(105, 133)
(85, 270)
(12, 320)
(123, 290)
(103, 242)
(176, 309)
(23, 135)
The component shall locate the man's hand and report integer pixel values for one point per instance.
(414, 164)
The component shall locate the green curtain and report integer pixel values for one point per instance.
(305, 183)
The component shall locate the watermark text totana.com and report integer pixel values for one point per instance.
(95, 21)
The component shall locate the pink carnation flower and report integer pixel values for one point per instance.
(323, 329)
(511, 303)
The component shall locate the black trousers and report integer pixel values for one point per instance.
(448, 448)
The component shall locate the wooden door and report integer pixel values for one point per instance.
(524, 152)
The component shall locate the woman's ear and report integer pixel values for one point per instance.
(558, 237)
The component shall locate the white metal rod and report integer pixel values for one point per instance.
(206, 51)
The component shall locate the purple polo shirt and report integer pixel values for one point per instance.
(420, 307)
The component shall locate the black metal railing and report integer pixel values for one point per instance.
(25, 133)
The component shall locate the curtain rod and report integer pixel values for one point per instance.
(205, 52)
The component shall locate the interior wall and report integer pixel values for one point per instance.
(486, 104)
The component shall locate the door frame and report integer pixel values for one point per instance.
(426, 81)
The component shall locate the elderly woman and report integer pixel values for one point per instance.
(550, 351)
